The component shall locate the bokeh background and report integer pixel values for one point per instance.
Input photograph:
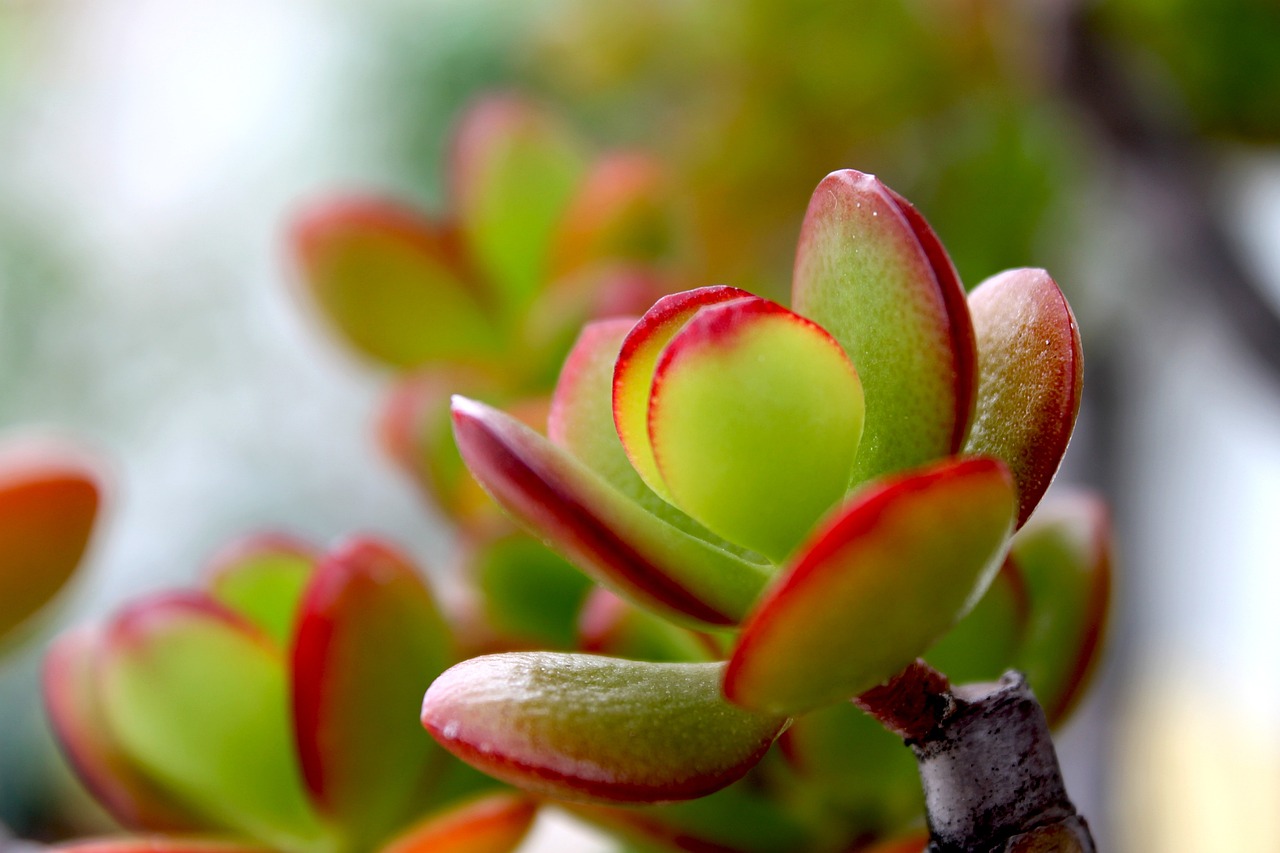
(152, 151)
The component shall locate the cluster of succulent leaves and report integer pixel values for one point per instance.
(788, 507)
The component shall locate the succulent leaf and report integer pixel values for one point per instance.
(754, 418)
(197, 695)
(494, 823)
(157, 844)
(871, 272)
(610, 625)
(985, 643)
(1030, 376)
(369, 636)
(597, 729)
(599, 529)
(882, 579)
(391, 282)
(1064, 552)
(262, 577)
(49, 499)
(529, 593)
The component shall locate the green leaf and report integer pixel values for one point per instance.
(881, 580)
(596, 729)
(1030, 376)
(529, 593)
(871, 272)
(261, 577)
(612, 626)
(513, 174)
(754, 419)
(392, 283)
(369, 636)
(1064, 552)
(197, 696)
(599, 529)
(983, 645)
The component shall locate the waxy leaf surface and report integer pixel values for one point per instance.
(599, 729)
(1030, 375)
(48, 503)
(1064, 553)
(637, 361)
(871, 272)
(598, 528)
(392, 283)
(882, 579)
(262, 578)
(513, 174)
(197, 695)
(71, 699)
(369, 636)
(754, 419)
(495, 823)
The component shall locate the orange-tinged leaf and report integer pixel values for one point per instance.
(49, 497)
(881, 580)
(871, 272)
(392, 282)
(123, 788)
(1030, 375)
(494, 823)
(369, 637)
(597, 729)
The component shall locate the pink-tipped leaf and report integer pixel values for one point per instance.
(871, 272)
(597, 729)
(369, 636)
(599, 529)
(492, 823)
(881, 580)
(1030, 375)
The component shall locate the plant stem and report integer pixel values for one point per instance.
(987, 763)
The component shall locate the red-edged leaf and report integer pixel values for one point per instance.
(596, 729)
(514, 171)
(157, 844)
(392, 282)
(196, 695)
(261, 577)
(71, 699)
(872, 273)
(1030, 374)
(49, 498)
(754, 417)
(599, 529)
(1064, 552)
(369, 637)
(882, 579)
(633, 375)
(495, 823)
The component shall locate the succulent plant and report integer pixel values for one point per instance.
(813, 498)
(273, 708)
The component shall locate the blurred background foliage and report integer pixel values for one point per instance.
(154, 150)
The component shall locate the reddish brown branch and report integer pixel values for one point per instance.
(912, 704)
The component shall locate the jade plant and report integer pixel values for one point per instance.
(49, 499)
(792, 507)
(272, 708)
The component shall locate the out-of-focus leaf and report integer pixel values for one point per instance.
(530, 594)
(599, 529)
(75, 713)
(48, 502)
(196, 694)
(871, 272)
(754, 418)
(157, 844)
(633, 374)
(392, 283)
(514, 172)
(597, 729)
(369, 636)
(622, 212)
(495, 823)
(879, 582)
(1064, 552)
(984, 644)
(1030, 374)
(262, 577)
(610, 625)
(915, 843)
